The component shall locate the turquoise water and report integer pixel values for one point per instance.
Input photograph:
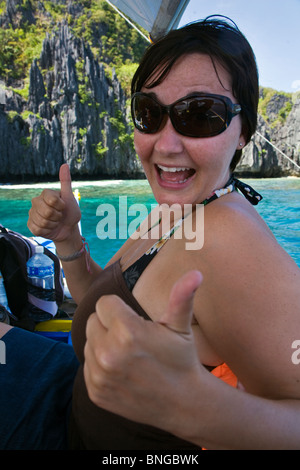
(280, 208)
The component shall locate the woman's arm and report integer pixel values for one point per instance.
(149, 372)
(55, 215)
(249, 303)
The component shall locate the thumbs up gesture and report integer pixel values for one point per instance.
(55, 214)
(132, 365)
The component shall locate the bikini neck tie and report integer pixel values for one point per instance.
(233, 184)
(250, 194)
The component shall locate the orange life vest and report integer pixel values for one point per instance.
(224, 373)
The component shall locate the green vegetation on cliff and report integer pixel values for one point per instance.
(111, 39)
(275, 106)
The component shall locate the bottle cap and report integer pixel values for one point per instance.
(39, 249)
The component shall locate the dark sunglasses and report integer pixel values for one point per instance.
(196, 115)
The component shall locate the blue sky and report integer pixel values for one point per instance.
(273, 29)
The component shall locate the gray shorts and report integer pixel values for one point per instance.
(36, 381)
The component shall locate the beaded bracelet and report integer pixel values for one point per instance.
(84, 250)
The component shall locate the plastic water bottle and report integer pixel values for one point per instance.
(3, 296)
(40, 269)
(41, 292)
(4, 308)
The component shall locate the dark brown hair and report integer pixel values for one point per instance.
(225, 44)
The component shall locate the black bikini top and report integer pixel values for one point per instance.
(132, 274)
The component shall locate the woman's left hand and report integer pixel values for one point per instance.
(132, 365)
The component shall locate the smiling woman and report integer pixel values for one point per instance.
(208, 112)
(134, 334)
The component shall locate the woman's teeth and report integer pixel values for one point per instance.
(175, 174)
(172, 169)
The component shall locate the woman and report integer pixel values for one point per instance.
(194, 107)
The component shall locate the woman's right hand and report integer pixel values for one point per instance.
(55, 215)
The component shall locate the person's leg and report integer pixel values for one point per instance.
(36, 389)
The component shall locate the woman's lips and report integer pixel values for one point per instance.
(174, 175)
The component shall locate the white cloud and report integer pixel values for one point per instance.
(296, 85)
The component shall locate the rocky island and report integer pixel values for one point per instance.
(70, 102)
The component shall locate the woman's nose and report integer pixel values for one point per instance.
(168, 140)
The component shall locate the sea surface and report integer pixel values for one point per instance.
(109, 207)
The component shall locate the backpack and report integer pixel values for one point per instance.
(15, 251)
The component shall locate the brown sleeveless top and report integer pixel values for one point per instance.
(94, 428)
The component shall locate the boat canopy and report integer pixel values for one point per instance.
(155, 16)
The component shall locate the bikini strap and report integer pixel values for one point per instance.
(233, 184)
(250, 194)
(132, 274)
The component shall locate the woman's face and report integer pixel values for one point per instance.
(182, 169)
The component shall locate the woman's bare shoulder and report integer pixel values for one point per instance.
(252, 295)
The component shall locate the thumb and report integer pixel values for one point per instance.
(180, 309)
(65, 182)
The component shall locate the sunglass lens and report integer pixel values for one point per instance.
(146, 114)
(199, 116)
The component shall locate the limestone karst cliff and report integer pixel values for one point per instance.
(280, 125)
(77, 111)
(73, 114)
